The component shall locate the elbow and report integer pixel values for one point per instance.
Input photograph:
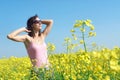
(51, 21)
(9, 36)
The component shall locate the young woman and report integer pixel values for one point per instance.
(35, 40)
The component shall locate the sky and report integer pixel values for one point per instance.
(105, 16)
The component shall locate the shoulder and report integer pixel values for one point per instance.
(28, 38)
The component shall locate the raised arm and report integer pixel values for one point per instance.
(19, 38)
(48, 24)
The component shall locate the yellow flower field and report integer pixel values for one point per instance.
(95, 65)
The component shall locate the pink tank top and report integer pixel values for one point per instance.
(38, 54)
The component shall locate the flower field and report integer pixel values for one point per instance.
(95, 65)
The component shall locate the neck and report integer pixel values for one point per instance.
(36, 33)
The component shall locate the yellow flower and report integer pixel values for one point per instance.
(73, 77)
(81, 41)
(92, 34)
(114, 65)
(82, 29)
(72, 30)
(114, 55)
(67, 39)
(58, 67)
(98, 54)
(92, 27)
(113, 62)
(75, 38)
(87, 22)
(99, 68)
(78, 23)
(51, 46)
(106, 56)
(107, 77)
(66, 77)
(90, 78)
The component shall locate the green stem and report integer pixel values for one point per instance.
(67, 46)
(83, 36)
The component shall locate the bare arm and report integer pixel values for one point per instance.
(19, 38)
(48, 24)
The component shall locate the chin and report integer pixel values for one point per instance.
(40, 27)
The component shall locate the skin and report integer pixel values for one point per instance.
(26, 39)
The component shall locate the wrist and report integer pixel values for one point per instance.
(46, 21)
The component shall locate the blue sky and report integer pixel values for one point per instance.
(105, 16)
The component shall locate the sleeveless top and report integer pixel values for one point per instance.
(38, 54)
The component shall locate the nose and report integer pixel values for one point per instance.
(40, 24)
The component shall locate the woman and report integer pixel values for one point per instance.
(34, 40)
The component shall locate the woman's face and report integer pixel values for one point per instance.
(37, 25)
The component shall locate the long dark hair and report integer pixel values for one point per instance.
(30, 22)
